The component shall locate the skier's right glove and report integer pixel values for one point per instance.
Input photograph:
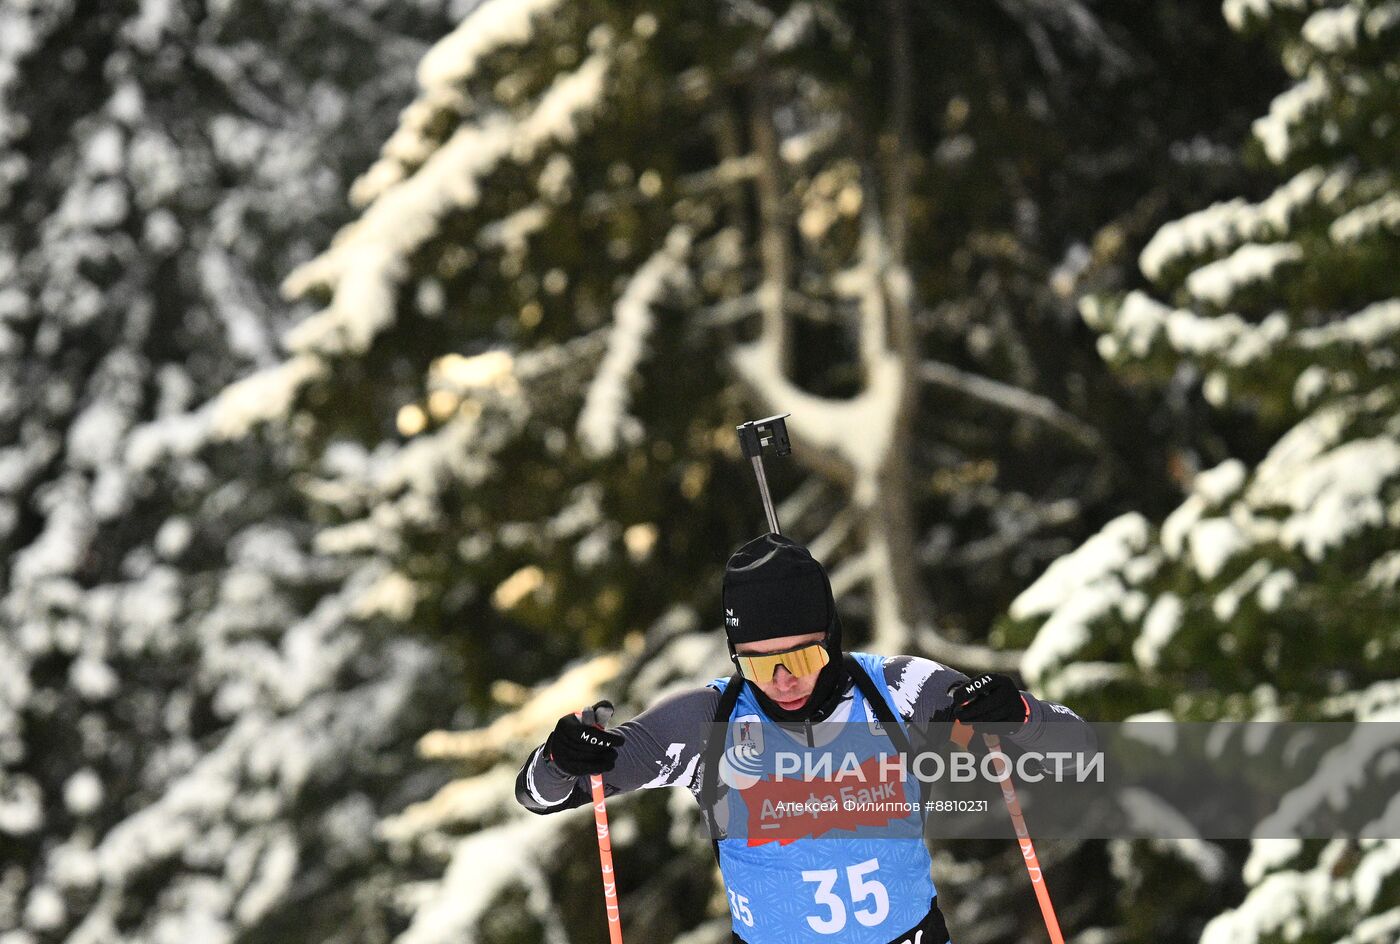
(579, 749)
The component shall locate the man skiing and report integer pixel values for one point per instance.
(785, 640)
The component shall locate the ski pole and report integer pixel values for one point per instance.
(961, 735)
(600, 820)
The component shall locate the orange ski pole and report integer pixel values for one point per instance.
(961, 735)
(1023, 837)
(600, 820)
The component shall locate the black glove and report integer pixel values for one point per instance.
(990, 700)
(580, 749)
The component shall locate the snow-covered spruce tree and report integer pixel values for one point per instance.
(603, 234)
(189, 750)
(1273, 590)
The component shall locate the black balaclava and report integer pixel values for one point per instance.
(774, 587)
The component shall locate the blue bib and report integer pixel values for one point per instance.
(816, 883)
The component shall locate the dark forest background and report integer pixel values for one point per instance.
(368, 376)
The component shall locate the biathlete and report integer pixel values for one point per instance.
(785, 640)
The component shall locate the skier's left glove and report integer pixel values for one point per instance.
(990, 699)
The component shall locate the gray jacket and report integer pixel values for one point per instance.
(665, 743)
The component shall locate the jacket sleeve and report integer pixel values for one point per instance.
(662, 747)
(920, 689)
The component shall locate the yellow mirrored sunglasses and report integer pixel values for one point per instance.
(803, 660)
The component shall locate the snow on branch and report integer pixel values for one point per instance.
(452, 60)
(401, 485)
(1277, 130)
(858, 430)
(262, 397)
(1346, 880)
(492, 25)
(1381, 216)
(575, 688)
(1335, 30)
(604, 419)
(1322, 487)
(408, 146)
(516, 844)
(368, 259)
(1137, 326)
(292, 727)
(1375, 325)
(1077, 590)
(468, 800)
(1141, 322)
(454, 908)
(1330, 492)
(1251, 264)
(1222, 227)
(1239, 13)
(68, 533)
